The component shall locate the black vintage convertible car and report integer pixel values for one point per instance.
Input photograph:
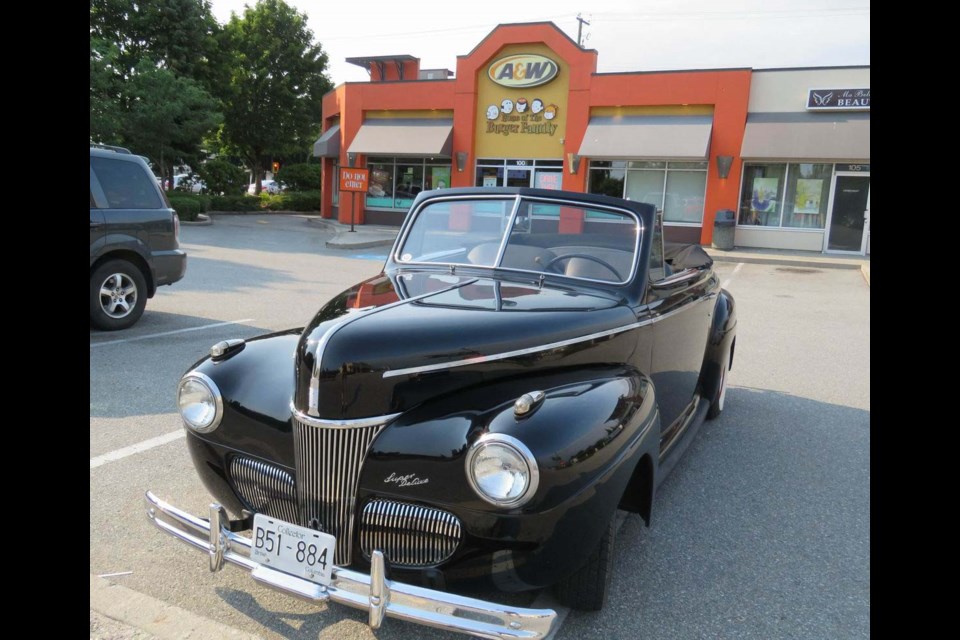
(527, 363)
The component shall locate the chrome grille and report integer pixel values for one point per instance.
(329, 460)
(408, 534)
(265, 488)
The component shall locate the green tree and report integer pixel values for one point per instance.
(168, 117)
(179, 35)
(106, 113)
(277, 78)
(300, 177)
(223, 178)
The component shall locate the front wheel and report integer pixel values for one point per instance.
(587, 589)
(118, 295)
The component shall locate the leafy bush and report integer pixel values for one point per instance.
(234, 203)
(223, 178)
(188, 205)
(292, 201)
(300, 177)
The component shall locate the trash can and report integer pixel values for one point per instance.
(724, 225)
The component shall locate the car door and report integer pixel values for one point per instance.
(96, 219)
(681, 302)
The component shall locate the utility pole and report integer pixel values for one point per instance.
(580, 29)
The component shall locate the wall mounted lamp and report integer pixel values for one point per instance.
(462, 159)
(351, 159)
(723, 166)
(573, 161)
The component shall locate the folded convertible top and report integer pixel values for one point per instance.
(686, 256)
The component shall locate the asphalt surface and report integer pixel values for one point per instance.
(761, 531)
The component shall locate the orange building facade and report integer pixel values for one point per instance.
(527, 107)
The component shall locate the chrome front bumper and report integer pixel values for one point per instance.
(374, 593)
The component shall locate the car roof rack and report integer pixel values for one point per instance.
(97, 145)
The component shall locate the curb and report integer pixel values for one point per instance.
(865, 270)
(336, 244)
(203, 220)
(790, 262)
(153, 616)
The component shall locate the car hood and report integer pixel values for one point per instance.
(393, 341)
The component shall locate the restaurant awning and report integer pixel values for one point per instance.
(808, 136)
(404, 137)
(328, 145)
(628, 137)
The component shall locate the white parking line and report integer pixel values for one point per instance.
(169, 333)
(119, 454)
(726, 283)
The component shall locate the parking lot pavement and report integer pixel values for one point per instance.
(761, 531)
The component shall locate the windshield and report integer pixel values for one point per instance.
(547, 236)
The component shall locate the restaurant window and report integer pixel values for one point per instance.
(785, 195)
(677, 188)
(395, 182)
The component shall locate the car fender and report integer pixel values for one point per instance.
(588, 436)
(256, 383)
(720, 343)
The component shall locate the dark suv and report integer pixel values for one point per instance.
(134, 238)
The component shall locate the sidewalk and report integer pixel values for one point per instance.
(366, 236)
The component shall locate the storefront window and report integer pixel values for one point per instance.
(676, 188)
(760, 199)
(685, 196)
(607, 178)
(395, 182)
(785, 195)
(808, 188)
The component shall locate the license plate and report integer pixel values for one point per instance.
(293, 549)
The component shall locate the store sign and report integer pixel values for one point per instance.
(838, 100)
(523, 70)
(354, 179)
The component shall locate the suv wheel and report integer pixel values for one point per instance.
(118, 295)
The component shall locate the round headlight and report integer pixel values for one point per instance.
(200, 403)
(502, 470)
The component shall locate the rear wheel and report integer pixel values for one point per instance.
(118, 295)
(586, 590)
(716, 405)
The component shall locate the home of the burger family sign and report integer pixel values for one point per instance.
(523, 114)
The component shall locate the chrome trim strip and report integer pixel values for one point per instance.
(357, 423)
(512, 354)
(501, 438)
(398, 600)
(508, 231)
(522, 352)
(313, 397)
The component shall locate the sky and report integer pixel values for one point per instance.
(628, 35)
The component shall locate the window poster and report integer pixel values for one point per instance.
(489, 181)
(440, 177)
(548, 180)
(764, 195)
(808, 196)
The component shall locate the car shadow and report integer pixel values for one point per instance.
(768, 513)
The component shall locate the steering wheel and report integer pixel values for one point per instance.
(585, 256)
